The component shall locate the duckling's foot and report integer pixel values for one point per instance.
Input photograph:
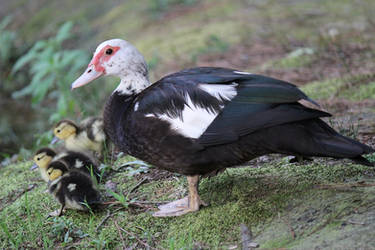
(57, 213)
(185, 205)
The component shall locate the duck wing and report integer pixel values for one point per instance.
(216, 106)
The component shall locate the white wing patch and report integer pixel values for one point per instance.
(242, 73)
(78, 164)
(194, 122)
(72, 186)
(222, 92)
(136, 106)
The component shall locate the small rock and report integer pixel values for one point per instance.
(110, 185)
(232, 247)
(253, 245)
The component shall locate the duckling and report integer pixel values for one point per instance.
(71, 188)
(74, 160)
(89, 136)
(42, 158)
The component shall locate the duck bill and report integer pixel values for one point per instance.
(89, 75)
(33, 167)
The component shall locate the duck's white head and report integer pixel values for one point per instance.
(119, 58)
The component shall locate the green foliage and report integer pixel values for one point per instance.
(7, 39)
(120, 198)
(64, 230)
(52, 69)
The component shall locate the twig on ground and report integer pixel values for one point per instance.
(120, 234)
(137, 186)
(135, 237)
(29, 188)
(135, 201)
(356, 222)
(109, 214)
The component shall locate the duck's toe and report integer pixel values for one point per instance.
(180, 207)
(184, 202)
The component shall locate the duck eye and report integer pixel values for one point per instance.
(38, 159)
(109, 51)
(58, 131)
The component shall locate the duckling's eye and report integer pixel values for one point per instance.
(38, 159)
(109, 51)
(58, 131)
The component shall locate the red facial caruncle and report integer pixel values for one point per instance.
(103, 56)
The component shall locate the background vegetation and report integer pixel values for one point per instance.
(325, 47)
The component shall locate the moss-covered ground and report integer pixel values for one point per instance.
(284, 204)
(326, 47)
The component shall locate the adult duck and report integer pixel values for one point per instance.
(202, 120)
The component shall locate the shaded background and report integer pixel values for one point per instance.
(325, 46)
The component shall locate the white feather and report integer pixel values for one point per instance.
(78, 164)
(242, 73)
(222, 92)
(72, 186)
(136, 106)
(194, 121)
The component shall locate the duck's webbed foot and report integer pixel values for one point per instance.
(190, 203)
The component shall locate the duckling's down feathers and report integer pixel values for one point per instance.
(74, 189)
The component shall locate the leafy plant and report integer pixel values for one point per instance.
(120, 198)
(64, 230)
(52, 69)
(7, 39)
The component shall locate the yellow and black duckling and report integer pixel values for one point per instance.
(71, 188)
(88, 136)
(74, 160)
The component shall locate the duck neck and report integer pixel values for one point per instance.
(132, 83)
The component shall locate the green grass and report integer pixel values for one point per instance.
(342, 88)
(248, 195)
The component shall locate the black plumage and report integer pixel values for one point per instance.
(264, 117)
(72, 189)
(88, 166)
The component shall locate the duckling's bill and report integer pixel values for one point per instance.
(54, 140)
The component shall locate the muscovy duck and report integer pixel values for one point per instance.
(202, 120)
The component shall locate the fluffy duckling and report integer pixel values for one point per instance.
(89, 136)
(74, 160)
(71, 188)
(42, 159)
